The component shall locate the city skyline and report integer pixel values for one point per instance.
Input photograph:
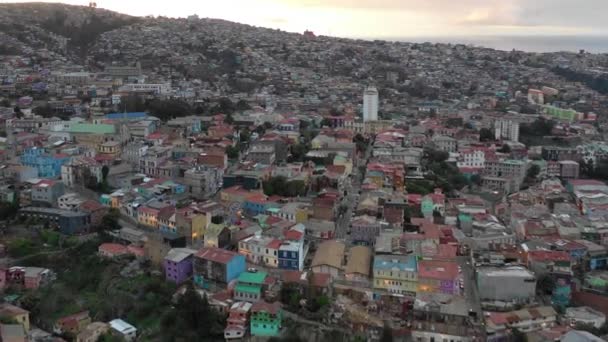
(388, 19)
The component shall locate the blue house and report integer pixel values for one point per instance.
(127, 116)
(68, 222)
(249, 182)
(596, 257)
(257, 204)
(217, 265)
(291, 252)
(47, 165)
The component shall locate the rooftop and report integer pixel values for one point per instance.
(252, 277)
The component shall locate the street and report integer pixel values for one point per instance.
(352, 187)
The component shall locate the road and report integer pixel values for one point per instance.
(471, 294)
(352, 187)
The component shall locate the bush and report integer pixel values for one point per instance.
(20, 247)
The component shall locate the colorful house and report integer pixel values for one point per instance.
(249, 286)
(395, 274)
(291, 251)
(266, 319)
(217, 235)
(48, 166)
(178, 264)
(218, 265)
(438, 276)
(72, 324)
(15, 314)
(237, 323)
(257, 204)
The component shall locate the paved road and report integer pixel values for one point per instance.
(352, 188)
(471, 293)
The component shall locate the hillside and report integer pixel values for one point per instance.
(66, 29)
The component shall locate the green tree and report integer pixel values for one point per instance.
(299, 151)
(546, 284)
(533, 172)
(476, 179)
(245, 135)
(387, 334)
(105, 170)
(228, 119)
(505, 148)
(485, 134)
(169, 109)
(192, 319)
(518, 336)
(232, 152)
(110, 220)
(242, 105)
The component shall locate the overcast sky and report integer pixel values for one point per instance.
(389, 18)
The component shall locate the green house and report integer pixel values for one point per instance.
(250, 286)
(266, 319)
(427, 207)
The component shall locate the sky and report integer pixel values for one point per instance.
(389, 18)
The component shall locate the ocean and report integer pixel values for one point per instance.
(593, 44)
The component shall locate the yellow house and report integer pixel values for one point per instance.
(111, 148)
(199, 226)
(376, 177)
(17, 314)
(301, 215)
(396, 274)
(346, 162)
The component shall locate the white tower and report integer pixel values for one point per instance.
(370, 104)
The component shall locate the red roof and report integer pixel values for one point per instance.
(262, 306)
(216, 255)
(293, 235)
(289, 276)
(257, 198)
(112, 248)
(548, 256)
(91, 205)
(274, 244)
(434, 269)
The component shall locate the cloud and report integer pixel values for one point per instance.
(513, 13)
(277, 20)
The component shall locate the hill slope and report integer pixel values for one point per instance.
(57, 27)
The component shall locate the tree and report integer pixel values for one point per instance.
(299, 151)
(105, 170)
(325, 122)
(546, 284)
(232, 152)
(485, 134)
(518, 336)
(242, 105)
(228, 119)
(438, 156)
(224, 106)
(245, 135)
(505, 149)
(533, 172)
(476, 179)
(192, 319)
(169, 109)
(110, 220)
(387, 334)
